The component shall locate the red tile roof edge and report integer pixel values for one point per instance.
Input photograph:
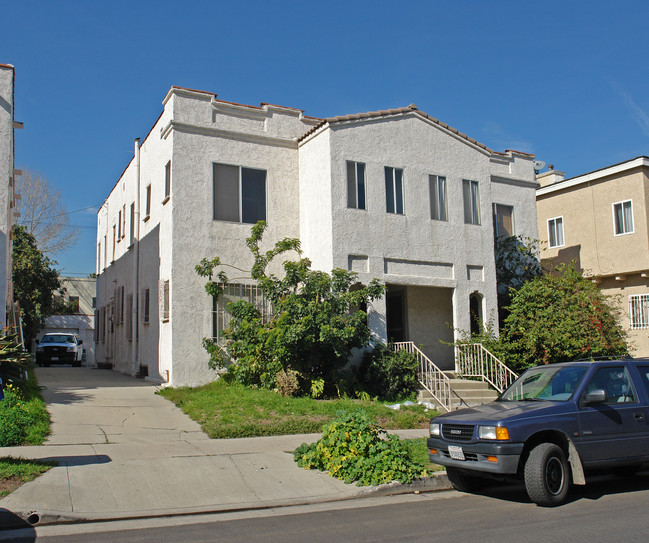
(396, 111)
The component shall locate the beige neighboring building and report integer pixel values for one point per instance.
(600, 220)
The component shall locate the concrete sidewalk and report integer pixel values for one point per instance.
(148, 459)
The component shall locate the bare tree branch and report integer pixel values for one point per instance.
(43, 213)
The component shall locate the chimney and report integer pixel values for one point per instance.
(550, 177)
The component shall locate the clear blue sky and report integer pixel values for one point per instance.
(565, 80)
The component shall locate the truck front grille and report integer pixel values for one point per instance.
(457, 432)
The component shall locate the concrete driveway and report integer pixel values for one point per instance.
(89, 406)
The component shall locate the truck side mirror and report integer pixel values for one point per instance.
(595, 397)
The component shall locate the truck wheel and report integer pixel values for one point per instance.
(462, 481)
(547, 478)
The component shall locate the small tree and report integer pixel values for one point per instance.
(516, 262)
(317, 319)
(43, 213)
(559, 317)
(35, 281)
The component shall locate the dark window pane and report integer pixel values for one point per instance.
(398, 190)
(360, 182)
(351, 184)
(253, 195)
(389, 190)
(226, 193)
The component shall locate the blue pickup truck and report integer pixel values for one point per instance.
(553, 424)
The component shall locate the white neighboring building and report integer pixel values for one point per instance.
(395, 194)
(81, 290)
(7, 175)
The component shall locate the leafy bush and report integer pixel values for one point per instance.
(560, 317)
(13, 358)
(317, 319)
(14, 419)
(389, 375)
(354, 449)
(287, 384)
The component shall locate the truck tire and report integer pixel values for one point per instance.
(462, 481)
(547, 476)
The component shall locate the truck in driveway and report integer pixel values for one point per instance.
(553, 424)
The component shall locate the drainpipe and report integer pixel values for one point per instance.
(136, 267)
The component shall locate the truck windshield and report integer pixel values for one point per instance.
(555, 384)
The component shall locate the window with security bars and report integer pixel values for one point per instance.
(639, 311)
(235, 292)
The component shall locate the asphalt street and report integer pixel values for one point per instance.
(609, 509)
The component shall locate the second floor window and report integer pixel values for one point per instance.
(437, 186)
(503, 220)
(148, 202)
(471, 202)
(555, 232)
(355, 185)
(394, 190)
(239, 194)
(623, 217)
(639, 311)
(167, 181)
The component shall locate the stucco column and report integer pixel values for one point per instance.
(377, 320)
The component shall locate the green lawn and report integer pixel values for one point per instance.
(14, 472)
(39, 428)
(232, 410)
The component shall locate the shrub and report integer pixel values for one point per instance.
(560, 317)
(286, 382)
(352, 448)
(389, 375)
(14, 418)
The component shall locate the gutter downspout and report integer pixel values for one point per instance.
(136, 267)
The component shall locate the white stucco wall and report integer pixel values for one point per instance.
(6, 175)
(440, 262)
(407, 249)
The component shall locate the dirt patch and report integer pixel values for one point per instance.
(8, 485)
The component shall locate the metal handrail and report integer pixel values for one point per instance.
(473, 360)
(433, 379)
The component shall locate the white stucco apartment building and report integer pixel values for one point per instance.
(7, 175)
(394, 194)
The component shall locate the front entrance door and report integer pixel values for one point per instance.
(396, 315)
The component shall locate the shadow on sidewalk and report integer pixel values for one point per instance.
(11, 521)
(86, 460)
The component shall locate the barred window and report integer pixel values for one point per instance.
(235, 292)
(639, 311)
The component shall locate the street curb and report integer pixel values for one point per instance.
(24, 519)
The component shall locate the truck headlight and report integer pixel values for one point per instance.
(497, 433)
(434, 428)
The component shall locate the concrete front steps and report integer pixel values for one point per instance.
(466, 393)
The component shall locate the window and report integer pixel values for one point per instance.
(123, 220)
(132, 227)
(167, 182)
(103, 324)
(94, 302)
(555, 232)
(129, 317)
(623, 218)
(355, 185)
(239, 194)
(394, 190)
(437, 186)
(503, 220)
(97, 323)
(639, 311)
(471, 202)
(121, 305)
(145, 305)
(235, 292)
(165, 301)
(148, 203)
(119, 225)
(99, 257)
(114, 241)
(615, 381)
